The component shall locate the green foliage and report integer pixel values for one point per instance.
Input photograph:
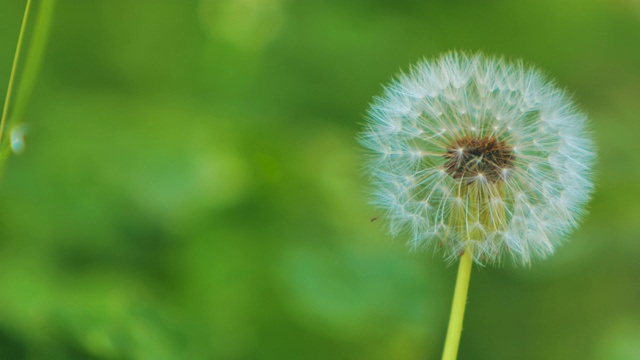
(191, 186)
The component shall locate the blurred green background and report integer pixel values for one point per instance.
(192, 187)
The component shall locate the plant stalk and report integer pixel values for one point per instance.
(14, 68)
(33, 58)
(457, 308)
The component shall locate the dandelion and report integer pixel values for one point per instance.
(480, 159)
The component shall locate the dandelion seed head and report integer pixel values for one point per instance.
(475, 152)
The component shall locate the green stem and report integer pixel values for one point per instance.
(458, 306)
(34, 58)
(16, 60)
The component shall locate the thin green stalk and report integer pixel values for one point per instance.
(34, 58)
(458, 306)
(14, 68)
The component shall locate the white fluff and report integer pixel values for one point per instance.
(423, 111)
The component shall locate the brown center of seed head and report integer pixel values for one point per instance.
(474, 158)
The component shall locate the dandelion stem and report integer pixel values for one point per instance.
(457, 308)
(14, 69)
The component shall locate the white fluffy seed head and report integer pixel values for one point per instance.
(474, 153)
